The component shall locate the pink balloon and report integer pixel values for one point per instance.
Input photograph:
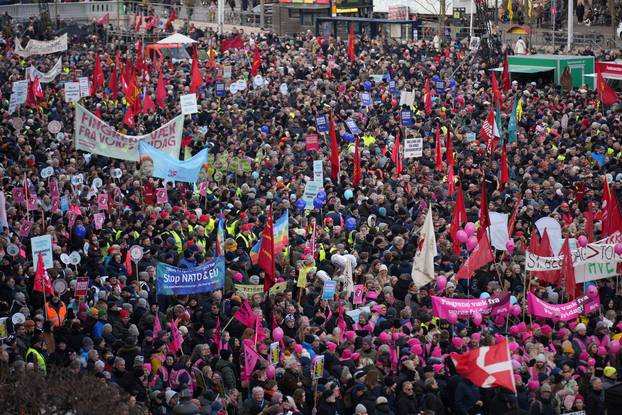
(592, 291)
(509, 245)
(477, 319)
(462, 236)
(471, 243)
(582, 240)
(469, 228)
(618, 248)
(516, 310)
(452, 318)
(277, 334)
(614, 347)
(441, 282)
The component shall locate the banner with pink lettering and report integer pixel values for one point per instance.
(567, 311)
(443, 307)
(95, 136)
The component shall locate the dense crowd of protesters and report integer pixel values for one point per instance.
(110, 335)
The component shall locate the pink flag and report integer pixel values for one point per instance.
(157, 326)
(176, 338)
(259, 330)
(217, 335)
(250, 357)
(341, 323)
(245, 315)
(18, 195)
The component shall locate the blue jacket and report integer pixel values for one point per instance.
(466, 396)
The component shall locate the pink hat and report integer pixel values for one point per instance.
(457, 342)
(237, 277)
(533, 385)
(383, 337)
(499, 338)
(584, 356)
(350, 335)
(371, 295)
(438, 368)
(262, 348)
(280, 279)
(412, 341)
(514, 330)
(517, 377)
(376, 309)
(572, 325)
(499, 320)
(546, 329)
(298, 348)
(535, 326)
(331, 346)
(513, 346)
(591, 362)
(346, 355)
(417, 349)
(475, 337)
(602, 351)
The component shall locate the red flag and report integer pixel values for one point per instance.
(139, 64)
(505, 78)
(486, 132)
(98, 75)
(256, 62)
(513, 218)
(128, 263)
(160, 91)
(251, 357)
(245, 315)
(484, 220)
(458, 220)
(449, 150)
(611, 219)
(487, 367)
(545, 250)
(266, 260)
(128, 118)
(235, 42)
(259, 334)
(196, 81)
(113, 84)
(157, 326)
(481, 256)
(427, 97)
(148, 104)
(42, 281)
(351, 47)
(356, 174)
(589, 222)
(606, 94)
(104, 20)
(334, 151)
(34, 92)
(171, 18)
(217, 335)
(438, 151)
(451, 180)
(396, 155)
(139, 24)
(176, 338)
(504, 176)
(496, 93)
(568, 269)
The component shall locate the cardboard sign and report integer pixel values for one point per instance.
(413, 147)
(275, 353)
(53, 188)
(312, 142)
(318, 171)
(161, 195)
(354, 129)
(18, 195)
(359, 291)
(42, 244)
(311, 190)
(220, 89)
(82, 287)
(406, 118)
(20, 91)
(407, 98)
(33, 203)
(321, 122)
(366, 99)
(189, 104)
(317, 367)
(226, 72)
(392, 87)
(72, 91)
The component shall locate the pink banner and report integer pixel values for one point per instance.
(563, 312)
(442, 307)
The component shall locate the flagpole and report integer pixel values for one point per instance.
(227, 325)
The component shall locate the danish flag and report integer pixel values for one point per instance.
(487, 366)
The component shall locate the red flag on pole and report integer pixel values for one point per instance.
(128, 263)
(568, 269)
(449, 150)
(266, 260)
(42, 281)
(98, 75)
(256, 62)
(334, 151)
(438, 151)
(484, 220)
(481, 256)
(196, 81)
(504, 176)
(139, 24)
(545, 250)
(611, 218)
(458, 220)
(606, 94)
(128, 118)
(427, 97)
(496, 93)
(351, 46)
(235, 42)
(160, 91)
(396, 154)
(487, 367)
(148, 104)
(505, 78)
(486, 132)
(356, 174)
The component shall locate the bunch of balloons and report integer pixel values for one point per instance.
(467, 236)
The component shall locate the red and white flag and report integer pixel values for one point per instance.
(487, 367)
(42, 280)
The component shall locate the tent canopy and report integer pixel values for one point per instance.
(176, 39)
(524, 69)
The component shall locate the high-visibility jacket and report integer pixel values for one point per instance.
(179, 244)
(57, 318)
(39, 357)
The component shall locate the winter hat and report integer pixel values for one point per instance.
(610, 372)
(380, 400)
(168, 395)
(360, 409)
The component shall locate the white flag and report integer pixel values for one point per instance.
(423, 263)
(498, 230)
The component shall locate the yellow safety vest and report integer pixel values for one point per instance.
(40, 359)
(246, 239)
(178, 244)
(231, 227)
(209, 226)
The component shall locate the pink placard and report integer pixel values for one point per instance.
(102, 201)
(18, 195)
(161, 195)
(443, 307)
(53, 188)
(313, 144)
(99, 219)
(33, 203)
(203, 188)
(564, 312)
(24, 230)
(55, 205)
(359, 291)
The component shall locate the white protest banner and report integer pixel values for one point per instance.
(407, 98)
(311, 189)
(95, 136)
(413, 147)
(188, 104)
(20, 89)
(47, 77)
(318, 171)
(72, 91)
(85, 89)
(498, 230)
(592, 253)
(38, 47)
(42, 244)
